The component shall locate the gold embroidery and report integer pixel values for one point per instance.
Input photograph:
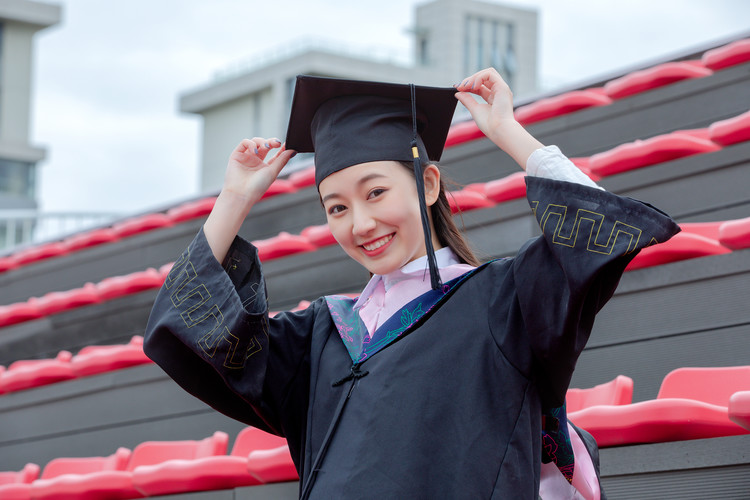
(566, 233)
(193, 302)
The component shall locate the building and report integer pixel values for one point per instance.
(452, 39)
(19, 21)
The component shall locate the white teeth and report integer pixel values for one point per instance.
(377, 243)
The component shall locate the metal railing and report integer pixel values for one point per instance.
(19, 227)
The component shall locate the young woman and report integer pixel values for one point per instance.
(444, 378)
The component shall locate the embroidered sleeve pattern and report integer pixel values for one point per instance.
(199, 311)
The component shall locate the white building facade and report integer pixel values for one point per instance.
(452, 39)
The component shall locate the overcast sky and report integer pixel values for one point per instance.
(108, 77)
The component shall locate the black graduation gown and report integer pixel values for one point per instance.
(450, 409)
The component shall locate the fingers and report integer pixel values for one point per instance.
(485, 83)
(281, 158)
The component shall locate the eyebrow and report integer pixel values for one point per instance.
(361, 181)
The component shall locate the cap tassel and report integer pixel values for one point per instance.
(435, 280)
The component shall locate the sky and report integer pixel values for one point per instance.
(107, 79)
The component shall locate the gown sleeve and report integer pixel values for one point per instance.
(564, 277)
(209, 330)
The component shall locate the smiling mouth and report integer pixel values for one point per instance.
(374, 245)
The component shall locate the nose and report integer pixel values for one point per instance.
(363, 222)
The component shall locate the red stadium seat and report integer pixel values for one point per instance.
(17, 485)
(282, 245)
(615, 392)
(19, 312)
(86, 478)
(303, 178)
(735, 234)
(682, 246)
(657, 149)
(90, 238)
(141, 224)
(732, 54)
(510, 187)
(191, 210)
(206, 472)
(8, 263)
(739, 408)
(466, 200)
(40, 252)
(272, 466)
(706, 229)
(56, 302)
(118, 286)
(99, 359)
(655, 77)
(692, 404)
(320, 236)
(463, 132)
(302, 305)
(279, 186)
(27, 374)
(562, 104)
(731, 130)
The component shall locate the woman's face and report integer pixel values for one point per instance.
(373, 212)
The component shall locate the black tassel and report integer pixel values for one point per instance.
(435, 280)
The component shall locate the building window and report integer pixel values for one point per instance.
(489, 42)
(17, 178)
(422, 52)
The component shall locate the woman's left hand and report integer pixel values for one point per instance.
(494, 116)
(497, 109)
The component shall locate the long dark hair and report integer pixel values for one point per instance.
(446, 230)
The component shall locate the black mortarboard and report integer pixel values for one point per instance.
(347, 122)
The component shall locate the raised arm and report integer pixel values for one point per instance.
(247, 178)
(494, 116)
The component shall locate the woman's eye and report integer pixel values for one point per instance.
(375, 193)
(335, 209)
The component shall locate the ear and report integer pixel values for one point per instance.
(431, 184)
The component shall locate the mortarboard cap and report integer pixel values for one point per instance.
(348, 122)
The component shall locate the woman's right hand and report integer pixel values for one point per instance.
(249, 174)
(247, 178)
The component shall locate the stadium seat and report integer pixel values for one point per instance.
(282, 245)
(99, 359)
(87, 478)
(510, 187)
(615, 392)
(463, 132)
(739, 408)
(279, 186)
(141, 224)
(655, 77)
(40, 252)
(218, 471)
(320, 236)
(735, 234)
(303, 178)
(19, 312)
(272, 465)
(682, 246)
(27, 374)
(657, 149)
(706, 229)
(56, 302)
(8, 263)
(562, 104)
(191, 210)
(731, 130)
(734, 53)
(90, 238)
(118, 286)
(466, 200)
(17, 485)
(692, 404)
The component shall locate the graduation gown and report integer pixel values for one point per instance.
(449, 402)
